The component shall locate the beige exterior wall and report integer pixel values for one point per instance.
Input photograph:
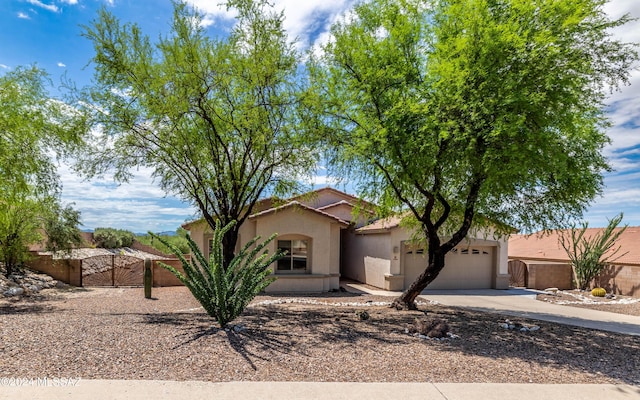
(324, 257)
(163, 277)
(378, 259)
(367, 258)
(322, 198)
(342, 211)
(201, 233)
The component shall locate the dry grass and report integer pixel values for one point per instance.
(117, 334)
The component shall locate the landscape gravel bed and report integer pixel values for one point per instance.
(575, 298)
(115, 333)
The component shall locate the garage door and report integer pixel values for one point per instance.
(465, 268)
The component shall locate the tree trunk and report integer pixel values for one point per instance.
(229, 242)
(407, 300)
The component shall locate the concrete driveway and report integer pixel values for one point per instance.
(523, 303)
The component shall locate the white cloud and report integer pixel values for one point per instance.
(71, 2)
(139, 205)
(304, 20)
(22, 15)
(323, 180)
(60, 64)
(49, 7)
(4, 66)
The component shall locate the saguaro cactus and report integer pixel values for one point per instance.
(148, 281)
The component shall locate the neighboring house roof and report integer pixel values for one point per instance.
(547, 246)
(297, 204)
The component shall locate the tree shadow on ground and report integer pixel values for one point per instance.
(35, 303)
(262, 332)
(266, 332)
(25, 308)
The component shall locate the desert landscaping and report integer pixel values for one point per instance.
(115, 333)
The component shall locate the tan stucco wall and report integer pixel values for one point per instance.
(376, 258)
(325, 246)
(367, 258)
(342, 211)
(201, 233)
(289, 223)
(322, 198)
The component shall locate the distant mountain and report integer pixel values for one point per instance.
(164, 233)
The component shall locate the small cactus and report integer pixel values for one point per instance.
(148, 278)
(598, 292)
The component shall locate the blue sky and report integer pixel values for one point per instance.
(47, 32)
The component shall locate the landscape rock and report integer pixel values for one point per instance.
(24, 283)
(507, 324)
(13, 291)
(362, 315)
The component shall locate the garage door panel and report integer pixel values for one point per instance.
(464, 269)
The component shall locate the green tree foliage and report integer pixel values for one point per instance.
(60, 225)
(590, 252)
(216, 119)
(110, 238)
(225, 292)
(19, 224)
(178, 240)
(33, 127)
(470, 112)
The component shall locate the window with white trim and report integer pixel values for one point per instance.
(296, 258)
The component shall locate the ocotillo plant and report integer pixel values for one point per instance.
(225, 292)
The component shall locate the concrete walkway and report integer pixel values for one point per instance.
(522, 303)
(161, 390)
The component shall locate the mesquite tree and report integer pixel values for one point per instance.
(471, 113)
(216, 119)
(34, 128)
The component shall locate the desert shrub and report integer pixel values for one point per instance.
(110, 238)
(590, 253)
(178, 240)
(224, 290)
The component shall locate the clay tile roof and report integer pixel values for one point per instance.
(381, 225)
(297, 204)
(548, 247)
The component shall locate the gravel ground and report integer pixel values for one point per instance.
(115, 333)
(575, 298)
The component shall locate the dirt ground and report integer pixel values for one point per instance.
(115, 333)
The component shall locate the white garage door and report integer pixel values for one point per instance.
(465, 268)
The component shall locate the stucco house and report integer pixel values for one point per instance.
(325, 242)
